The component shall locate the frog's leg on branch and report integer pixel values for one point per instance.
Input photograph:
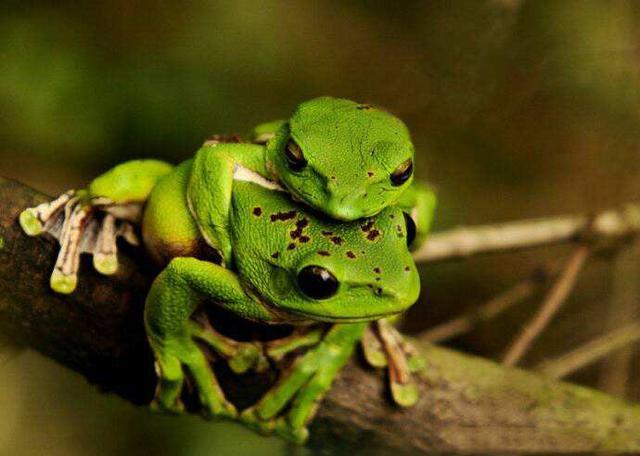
(288, 407)
(173, 335)
(384, 346)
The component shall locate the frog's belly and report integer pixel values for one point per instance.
(168, 229)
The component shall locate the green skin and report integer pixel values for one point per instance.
(350, 149)
(273, 240)
(203, 212)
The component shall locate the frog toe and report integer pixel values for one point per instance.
(30, 223)
(217, 409)
(174, 408)
(105, 264)
(247, 356)
(63, 283)
(405, 394)
(291, 433)
(251, 418)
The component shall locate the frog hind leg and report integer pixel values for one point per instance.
(175, 337)
(304, 385)
(91, 220)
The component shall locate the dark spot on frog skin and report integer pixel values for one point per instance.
(327, 233)
(275, 255)
(324, 253)
(364, 107)
(333, 177)
(378, 291)
(370, 173)
(300, 226)
(304, 239)
(291, 246)
(391, 216)
(367, 226)
(257, 211)
(350, 254)
(373, 234)
(283, 216)
(378, 279)
(407, 268)
(337, 240)
(377, 270)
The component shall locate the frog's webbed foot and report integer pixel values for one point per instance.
(81, 224)
(384, 346)
(288, 407)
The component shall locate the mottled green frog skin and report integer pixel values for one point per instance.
(344, 159)
(274, 240)
(351, 149)
(305, 225)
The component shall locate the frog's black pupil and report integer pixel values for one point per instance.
(411, 228)
(295, 158)
(402, 173)
(317, 283)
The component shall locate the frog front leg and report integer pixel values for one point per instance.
(173, 335)
(419, 202)
(214, 169)
(301, 388)
(385, 347)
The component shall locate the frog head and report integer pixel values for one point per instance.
(345, 159)
(340, 272)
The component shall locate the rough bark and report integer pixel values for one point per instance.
(469, 404)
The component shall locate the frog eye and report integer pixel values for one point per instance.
(402, 173)
(294, 156)
(411, 229)
(317, 283)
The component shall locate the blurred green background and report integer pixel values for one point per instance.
(518, 109)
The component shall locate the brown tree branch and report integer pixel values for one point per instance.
(624, 306)
(491, 309)
(468, 404)
(467, 241)
(554, 300)
(591, 351)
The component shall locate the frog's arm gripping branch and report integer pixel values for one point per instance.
(468, 404)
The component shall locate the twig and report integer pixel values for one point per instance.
(550, 306)
(468, 404)
(615, 371)
(464, 242)
(591, 352)
(467, 321)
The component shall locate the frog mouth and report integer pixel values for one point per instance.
(338, 319)
(294, 316)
